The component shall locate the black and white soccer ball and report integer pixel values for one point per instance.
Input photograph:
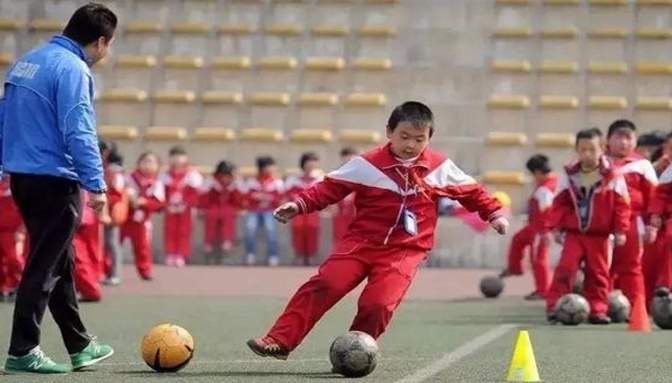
(661, 309)
(572, 309)
(491, 286)
(619, 307)
(354, 354)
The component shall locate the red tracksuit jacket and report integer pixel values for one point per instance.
(294, 186)
(662, 201)
(539, 204)
(182, 190)
(151, 189)
(263, 193)
(383, 186)
(608, 208)
(640, 176)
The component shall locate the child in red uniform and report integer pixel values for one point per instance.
(590, 204)
(262, 194)
(397, 189)
(118, 206)
(305, 228)
(641, 178)
(344, 210)
(220, 200)
(89, 253)
(532, 237)
(182, 185)
(147, 195)
(11, 259)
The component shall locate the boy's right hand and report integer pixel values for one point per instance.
(286, 212)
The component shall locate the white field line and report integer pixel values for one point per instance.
(252, 361)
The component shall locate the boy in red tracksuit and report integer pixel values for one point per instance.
(656, 263)
(220, 200)
(11, 259)
(263, 193)
(88, 254)
(182, 185)
(397, 188)
(640, 176)
(305, 228)
(532, 237)
(147, 196)
(344, 210)
(590, 204)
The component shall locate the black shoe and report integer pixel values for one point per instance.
(505, 273)
(599, 319)
(662, 292)
(552, 318)
(534, 296)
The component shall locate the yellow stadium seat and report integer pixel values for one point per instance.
(46, 25)
(230, 63)
(6, 59)
(512, 32)
(376, 31)
(324, 63)
(503, 178)
(124, 95)
(653, 2)
(222, 98)
(554, 140)
(365, 100)
(381, 1)
(277, 63)
(558, 102)
(183, 62)
(118, 132)
(371, 64)
(247, 171)
(175, 107)
(269, 99)
(214, 134)
(317, 99)
(316, 109)
(561, 2)
(135, 61)
(174, 97)
(607, 67)
(261, 135)
(123, 107)
(513, 2)
(311, 136)
(654, 68)
(357, 136)
(205, 170)
(190, 28)
(143, 27)
(569, 32)
(607, 102)
(511, 66)
(284, 29)
(236, 29)
(559, 67)
(505, 139)
(508, 102)
(654, 33)
(607, 2)
(654, 103)
(165, 133)
(330, 31)
(10, 24)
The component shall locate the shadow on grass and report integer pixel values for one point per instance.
(231, 374)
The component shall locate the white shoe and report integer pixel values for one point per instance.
(274, 261)
(179, 262)
(250, 259)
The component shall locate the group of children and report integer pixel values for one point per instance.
(610, 211)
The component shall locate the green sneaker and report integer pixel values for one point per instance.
(90, 355)
(35, 362)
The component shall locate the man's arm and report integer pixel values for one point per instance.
(77, 122)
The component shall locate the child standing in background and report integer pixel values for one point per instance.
(306, 227)
(12, 259)
(344, 210)
(220, 200)
(182, 185)
(118, 201)
(263, 194)
(147, 196)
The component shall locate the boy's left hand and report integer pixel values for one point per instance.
(500, 225)
(620, 239)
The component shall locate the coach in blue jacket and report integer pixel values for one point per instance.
(49, 146)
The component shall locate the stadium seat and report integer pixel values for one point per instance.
(511, 77)
(607, 78)
(276, 74)
(39, 31)
(557, 113)
(514, 43)
(323, 74)
(221, 108)
(131, 72)
(189, 39)
(371, 75)
(311, 136)
(560, 77)
(214, 134)
(652, 79)
(6, 59)
(316, 110)
(363, 110)
(607, 43)
(165, 133)
(512, 183)
(235, 40)
(560, 43)
(269, 109)
(603, 110)
(653, 112)
(123, 107)
(211, 144)
(501, 145)
(282, 40)
(507, 113)
(140, 38)
(559, 147)
(261, 141)
(9, 35)
(359, 136)
(229, 73)
(175, 107)
(181, 73)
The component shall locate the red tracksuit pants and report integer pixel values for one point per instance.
(88, 260)
(526, 240)
(11, 261)
(626, 265)
(306, 234)
(656, 265)
(177, 234)
(389, 270)
(594, 250)
(140, 235)
(220, 223)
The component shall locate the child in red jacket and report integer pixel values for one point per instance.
(12, 260)
(305, 228)
(344, 210)
(591, 203)
(397, 188)
(220, 200)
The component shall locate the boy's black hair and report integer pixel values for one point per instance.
(620, 124)
(650, 139)
(115, 158)
(148, 153)
(265, 161)
(308, 156)
(417, 113)
(588, 134)
(91, 22)
(348, 151)
(225, 167)
(540, 163)
(177, 151)
(656, 155)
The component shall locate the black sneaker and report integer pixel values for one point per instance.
(534, 296)
(505, 273)
(552, 318)
(662, 292)
(599, 319)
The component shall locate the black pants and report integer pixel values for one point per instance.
(51, 208)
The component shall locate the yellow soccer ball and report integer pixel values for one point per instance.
(167, 348)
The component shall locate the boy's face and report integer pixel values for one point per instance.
(589, 151)
(179, 162)
(310, 166)
(268, 169)
(537, 176)
(622, 143)
(224, 178)
(149, 165)
(667, 148)
(407, 140)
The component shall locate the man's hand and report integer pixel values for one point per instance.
(97, 202)
(286, 212)
(500, 225)
(620, 239)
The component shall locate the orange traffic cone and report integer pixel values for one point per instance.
(639, 319)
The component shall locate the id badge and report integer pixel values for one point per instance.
(410, 222)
